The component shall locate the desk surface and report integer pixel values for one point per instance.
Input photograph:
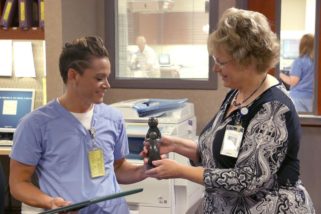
(5, 150)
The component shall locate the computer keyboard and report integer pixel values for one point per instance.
(6, 142)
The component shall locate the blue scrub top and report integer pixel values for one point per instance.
(303, 68)
(54, 141)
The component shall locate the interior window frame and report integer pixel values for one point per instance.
(275, 18)
(316, 109)
(111, 29)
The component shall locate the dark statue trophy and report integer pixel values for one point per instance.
(153, 137)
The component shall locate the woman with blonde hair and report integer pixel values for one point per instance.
(247, 155)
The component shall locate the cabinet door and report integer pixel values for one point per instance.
(268, 8)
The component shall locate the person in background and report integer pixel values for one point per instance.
(145, 59)
(76, 144)
(301, 76)
(247, 155)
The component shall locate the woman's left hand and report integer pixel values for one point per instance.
(164, 169)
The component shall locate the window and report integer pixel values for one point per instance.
(160, 43)
(297, 18)
(291, 19)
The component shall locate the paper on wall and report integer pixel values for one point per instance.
(5, 57)
(23, 59)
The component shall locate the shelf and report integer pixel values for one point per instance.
(17, 33)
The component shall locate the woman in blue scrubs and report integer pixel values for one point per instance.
(75, 144)
(301, 76)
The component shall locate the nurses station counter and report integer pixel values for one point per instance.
(177, 196)
(310, 158)
(172, 196)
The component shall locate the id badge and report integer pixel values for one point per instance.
(96, 163)
(232, 141)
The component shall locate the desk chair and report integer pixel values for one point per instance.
(2, 189)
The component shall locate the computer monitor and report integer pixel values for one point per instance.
(290, 48)
(14, 104)
(164, 60)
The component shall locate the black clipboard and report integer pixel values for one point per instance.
(80, 205)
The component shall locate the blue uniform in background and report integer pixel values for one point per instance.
(54, 141)
(302, 93)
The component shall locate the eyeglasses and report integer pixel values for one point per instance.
(221, 64)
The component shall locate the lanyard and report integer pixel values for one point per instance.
(92, 132)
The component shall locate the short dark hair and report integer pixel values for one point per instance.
(78, 53)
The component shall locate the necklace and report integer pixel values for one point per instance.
(235, 104)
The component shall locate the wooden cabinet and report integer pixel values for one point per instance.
(168, 28)
(13, 31)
